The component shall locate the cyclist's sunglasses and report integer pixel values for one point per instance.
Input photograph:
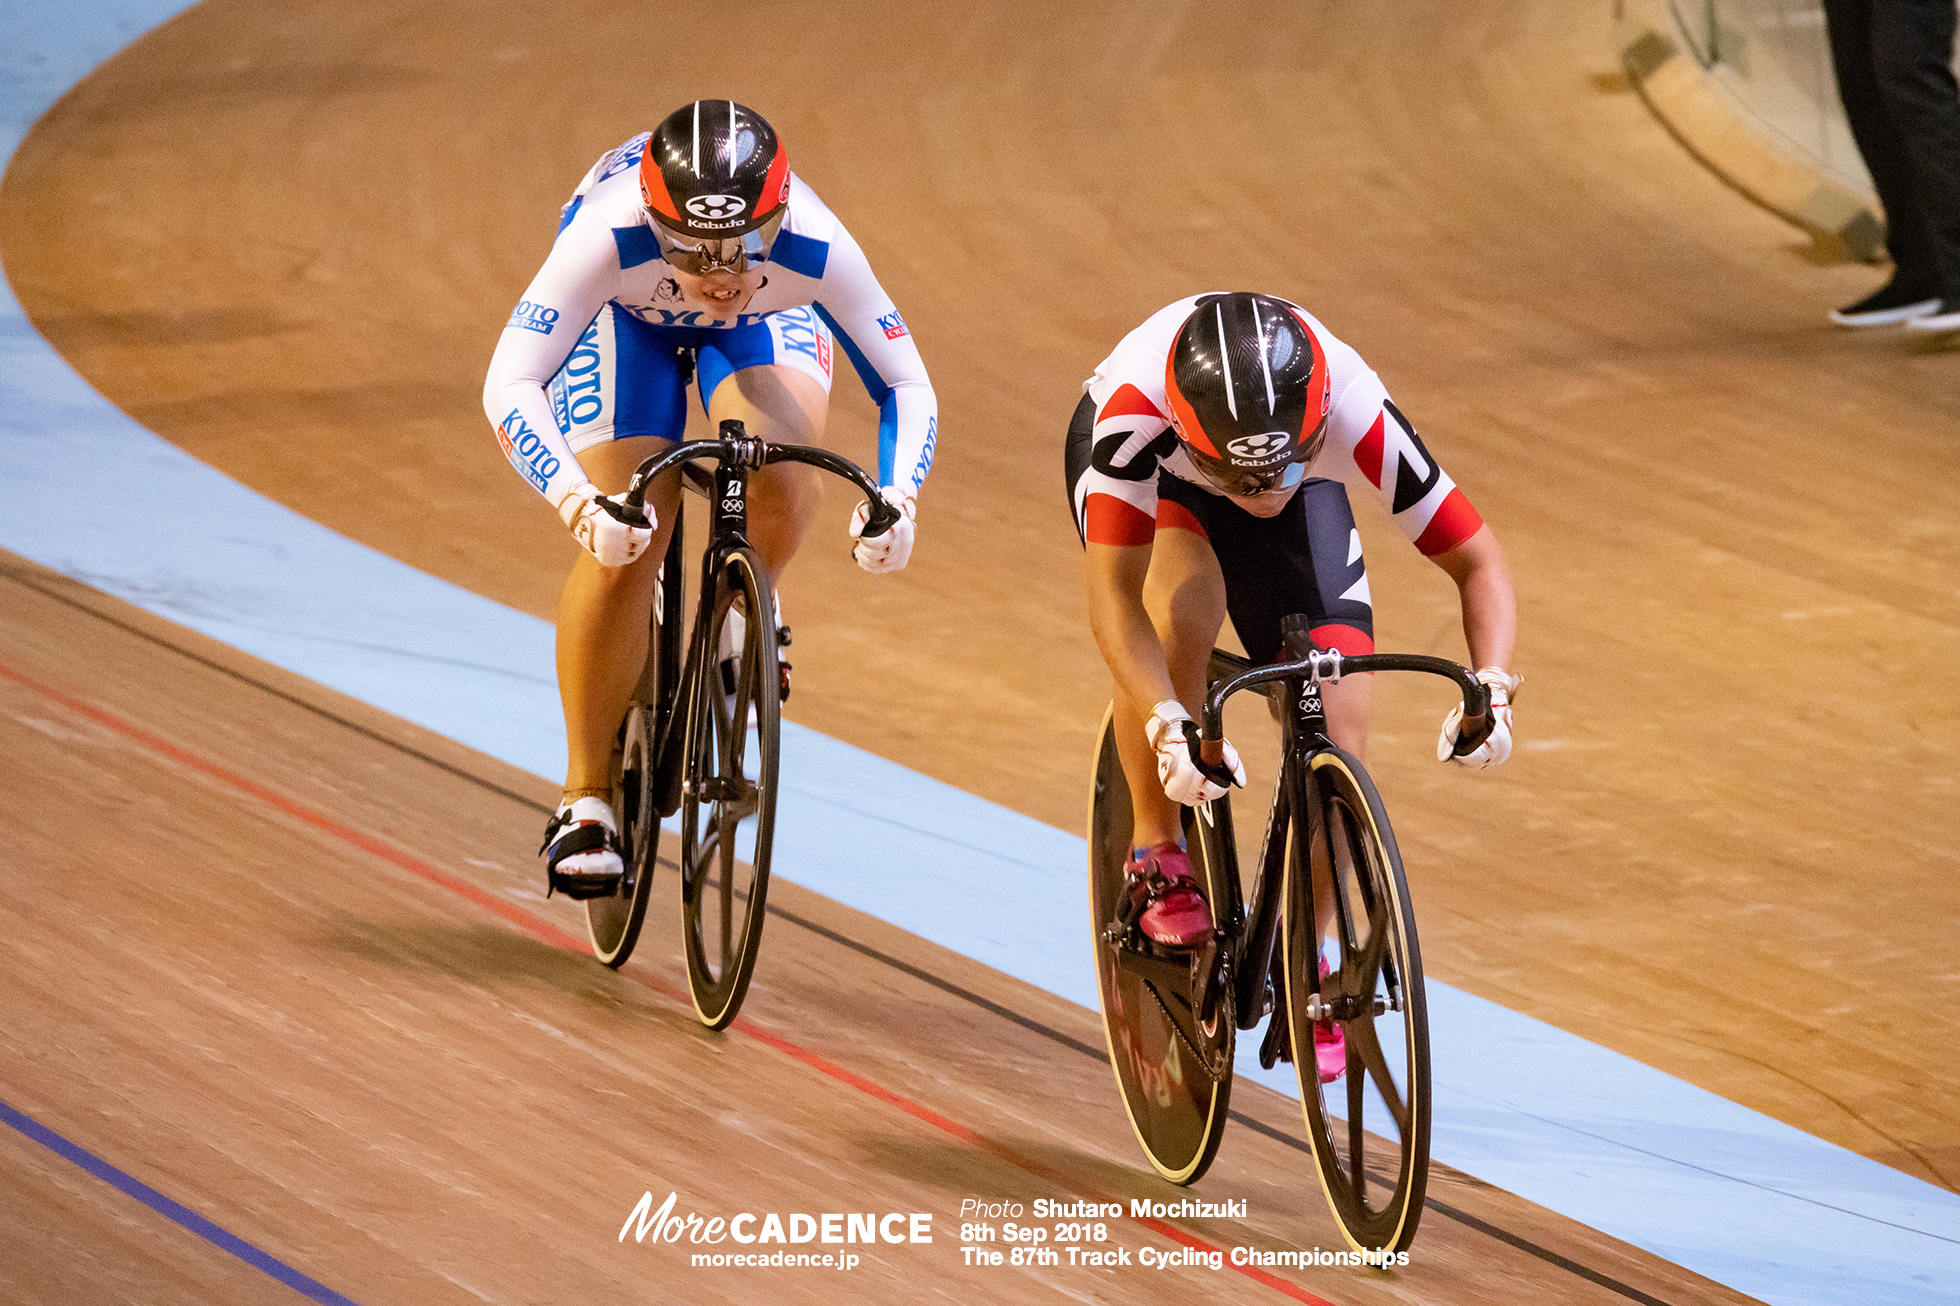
(698, 257)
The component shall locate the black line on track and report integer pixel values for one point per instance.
(27, 582)
(924, 976)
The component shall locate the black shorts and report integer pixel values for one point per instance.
(1305, 560)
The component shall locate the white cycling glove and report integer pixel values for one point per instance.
(882, 554)
(1497, 745)
(1174, 735)
(595, 523)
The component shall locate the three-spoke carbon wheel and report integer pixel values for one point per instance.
(614, 921)
(1370, 1127)
(1173, 1063)
(728, 793)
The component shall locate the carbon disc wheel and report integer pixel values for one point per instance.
(1173, 1063)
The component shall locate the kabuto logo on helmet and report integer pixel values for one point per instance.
(716, 208)
(1259, 448)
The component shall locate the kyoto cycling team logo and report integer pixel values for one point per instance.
(716, 208)
(1254, 448)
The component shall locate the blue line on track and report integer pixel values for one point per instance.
(176, 1211)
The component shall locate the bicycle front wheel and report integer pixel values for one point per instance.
(1369, 1125)
(728, 794)
(1173, 1066)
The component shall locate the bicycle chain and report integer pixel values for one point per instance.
(1214, 1063)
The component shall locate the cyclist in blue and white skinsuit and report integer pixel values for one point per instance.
(690, 250)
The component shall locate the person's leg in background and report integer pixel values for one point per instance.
(1915, 288)
(1912, 54)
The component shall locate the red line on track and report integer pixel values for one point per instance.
(545, 932)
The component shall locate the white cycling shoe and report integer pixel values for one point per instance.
(581, 850)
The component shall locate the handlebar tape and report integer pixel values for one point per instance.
(880, 519)
(1477, 721)
(627, 511)
(1471, 733)
(1208, 755)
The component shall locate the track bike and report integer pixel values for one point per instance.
(702, 729)
(1328, 878)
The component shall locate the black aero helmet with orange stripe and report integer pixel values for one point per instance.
(1247, 384)
(715, 179)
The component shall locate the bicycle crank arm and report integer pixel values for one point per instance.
(1174, 975)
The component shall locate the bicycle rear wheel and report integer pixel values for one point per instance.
(614, 921)
(1370, 1127)
(1173, 1067)
(728, 797)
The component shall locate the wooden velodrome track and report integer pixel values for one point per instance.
(311, 987)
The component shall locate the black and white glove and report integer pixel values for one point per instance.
(600, 526)
(1180, 766)
(1496, 747)
(883, 554)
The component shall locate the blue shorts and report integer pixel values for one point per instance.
(626, 378)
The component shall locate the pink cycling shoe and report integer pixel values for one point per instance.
(1176, 916)
(1329, 1042)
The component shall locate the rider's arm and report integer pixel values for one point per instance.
(1122, 627)
(880, 346)
(1385, 450)
(1490, 608)
(559, 304)
(1436, 516)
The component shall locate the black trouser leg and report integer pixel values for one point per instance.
(1891, 59)
(1912, 54)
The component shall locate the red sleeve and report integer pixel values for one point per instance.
(1111, 521)
(1455, 521)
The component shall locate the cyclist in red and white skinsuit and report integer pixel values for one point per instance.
(690, 252)
(1202, 468)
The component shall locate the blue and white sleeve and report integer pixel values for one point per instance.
(880, 346)
(564, 297)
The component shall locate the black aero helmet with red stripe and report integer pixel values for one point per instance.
(1247, 384)
(714, 180)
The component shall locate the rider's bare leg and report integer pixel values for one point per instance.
(783, 406)
(1184, 594)
(603, 616)
(1185, 597)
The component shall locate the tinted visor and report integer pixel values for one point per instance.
(1231, 478)
(698, 257)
